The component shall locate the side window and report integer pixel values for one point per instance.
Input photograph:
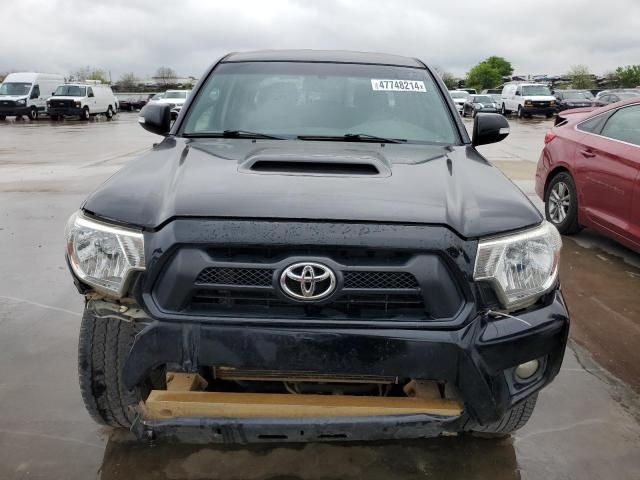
(518, 92)
(624, 125)
(594, 125)
(35, 93)
(90, 92)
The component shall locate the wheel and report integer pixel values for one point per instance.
(561, 203)
(103, 346)
(33, 113)
(109, 113)
(513, 420)
(520, 113)
(3, 117)
(85, 114)
(503, 110)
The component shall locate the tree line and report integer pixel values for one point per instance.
(491, 73)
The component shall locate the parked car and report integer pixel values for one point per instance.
(82, 100)
(26, 93)
(132, 101)
(175, 99)
(495, 93)
(459, 97)
(470, 91)
(614, 96)
(589, 172)
(479, 103)
(568, 99)
(527, 99)
(316, 230)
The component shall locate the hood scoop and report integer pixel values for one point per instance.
(317, 164)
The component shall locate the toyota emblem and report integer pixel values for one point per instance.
(308, 281)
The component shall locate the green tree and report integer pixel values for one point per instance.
(581, 78)
(629, 76)
(128, 81)
(483, 76)
(89, 73)
(504, 67)
(449, 80)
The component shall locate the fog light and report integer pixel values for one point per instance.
(527, 370)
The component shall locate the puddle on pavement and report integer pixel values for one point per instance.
(603, 296)
(451, 457)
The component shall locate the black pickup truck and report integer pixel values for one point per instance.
(315, 251)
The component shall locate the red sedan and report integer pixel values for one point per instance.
(589, 172)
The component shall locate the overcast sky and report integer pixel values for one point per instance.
(537, 36)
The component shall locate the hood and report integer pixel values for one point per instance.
(64, 97)
(460, 100)
(175, 101)
(540, 98)
(452, 186)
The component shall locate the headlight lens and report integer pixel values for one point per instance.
(103, 255)
(22, 101)
(522, 266)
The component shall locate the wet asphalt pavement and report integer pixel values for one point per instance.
(586, 424)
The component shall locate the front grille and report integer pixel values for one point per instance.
(353, 305)
(250, 277)
(379, 280)
(62, 103)
(540, 104)
(7, 103)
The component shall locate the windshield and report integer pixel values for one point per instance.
(627, 95)
(576, 95)
(175, 95)
(288, 100)
(70, 91)
(531, 90)
(459, 94)
(15, 88)
(482, 99)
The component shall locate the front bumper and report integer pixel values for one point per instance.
(533, 110)
(65, 111)
(478, 360)
(14, 111)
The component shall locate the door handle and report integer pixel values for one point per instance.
(587, 153)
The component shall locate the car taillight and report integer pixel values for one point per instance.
(548, 137)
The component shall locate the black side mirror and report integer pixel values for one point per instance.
(156, 118)
(489, 128)
(91, 94)
(34, 94)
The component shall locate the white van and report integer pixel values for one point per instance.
(176, 99)
(527, 99)
(26, 93)
(82, 100)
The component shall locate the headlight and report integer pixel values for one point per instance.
(103, 255)
(22, 101)
(78, 104)
(552, 103)
(522, 266)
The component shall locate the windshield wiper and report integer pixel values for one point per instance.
(232, 134)
(352, 137)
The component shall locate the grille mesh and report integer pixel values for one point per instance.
(379, 280)
(251, 277)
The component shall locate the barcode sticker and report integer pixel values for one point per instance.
(398, 85)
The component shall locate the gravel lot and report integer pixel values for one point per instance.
(585, 426)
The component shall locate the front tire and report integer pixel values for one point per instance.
(561, 203)
(102, 350)
(33, 113)
(109, 113)
(84, 115)
(513, 420)
(520, 112)
(503, 110)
